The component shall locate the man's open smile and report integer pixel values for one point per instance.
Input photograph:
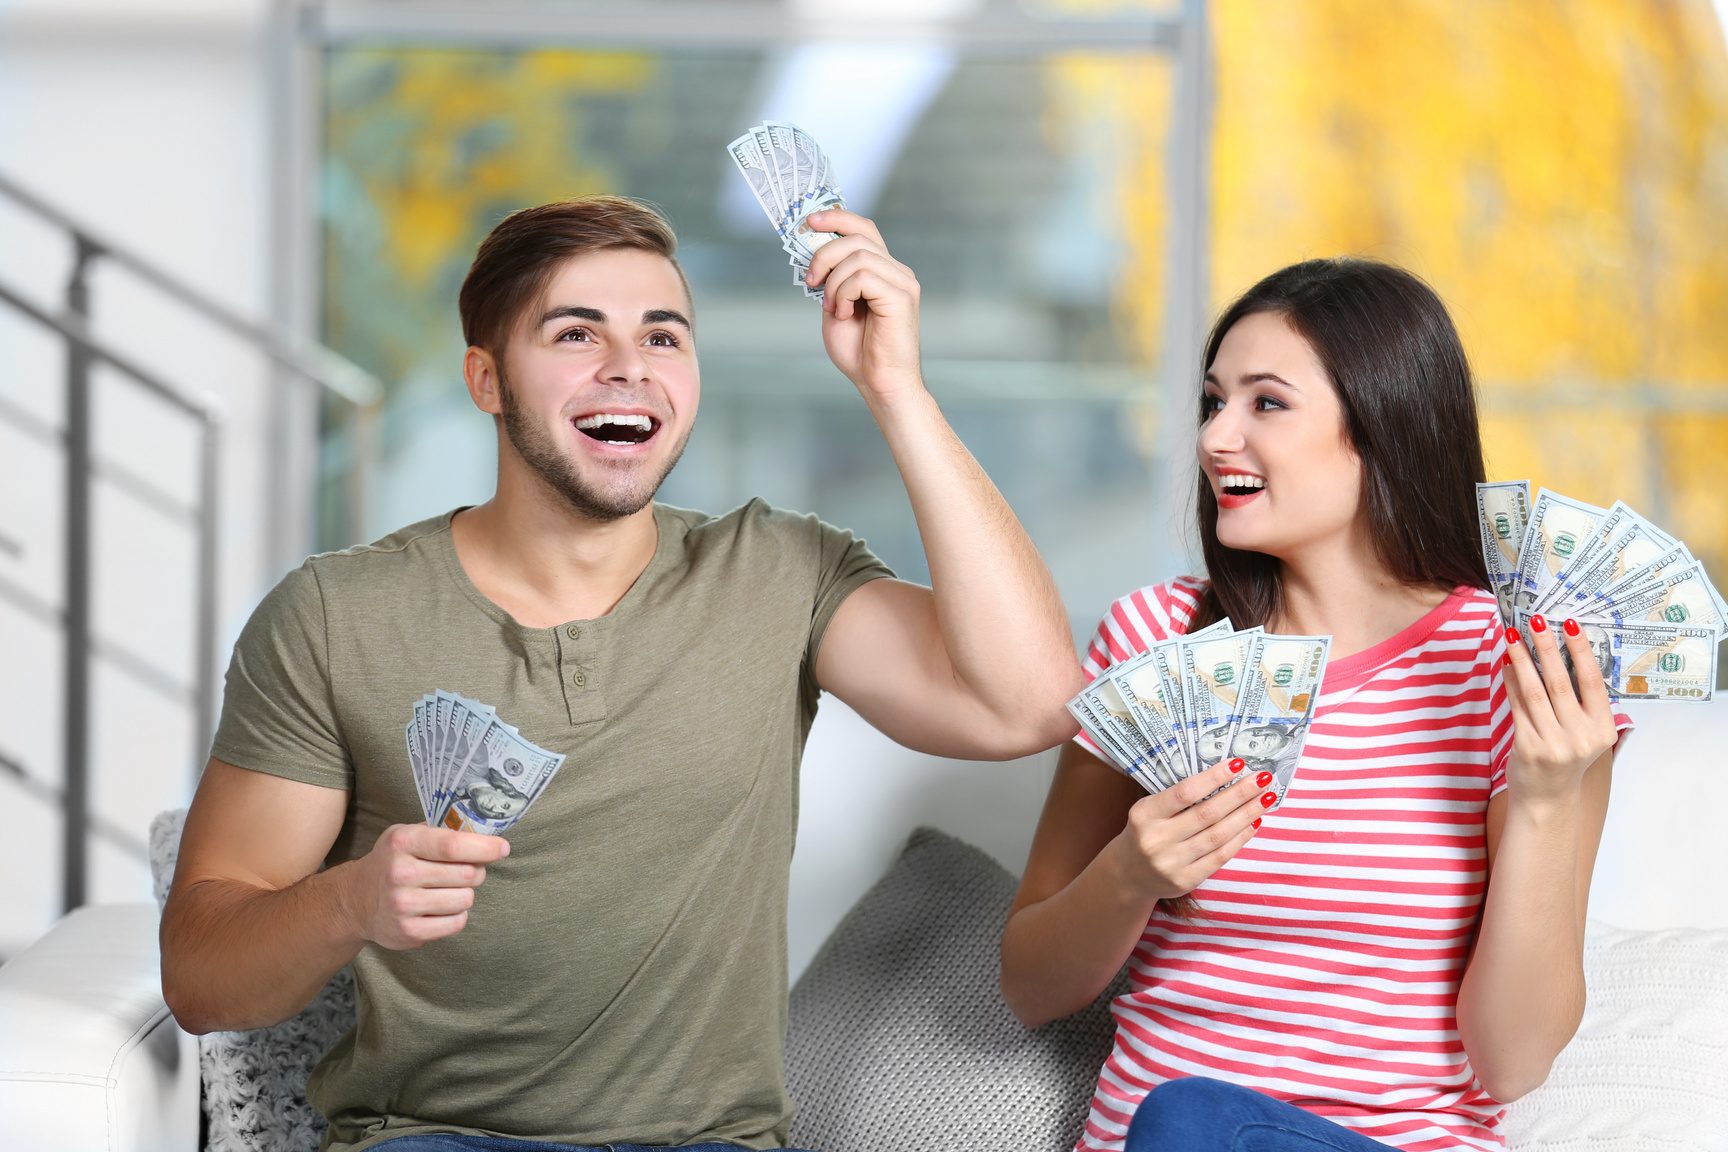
(618, 429)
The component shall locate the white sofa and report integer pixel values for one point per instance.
(897, 1017)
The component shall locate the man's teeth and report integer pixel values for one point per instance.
(645, 423)
(1240, 482)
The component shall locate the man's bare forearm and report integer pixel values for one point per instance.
(236, 956)
(1001, 617)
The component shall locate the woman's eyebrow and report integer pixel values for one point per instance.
(1269, 378)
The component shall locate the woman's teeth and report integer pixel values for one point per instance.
(1236, 483)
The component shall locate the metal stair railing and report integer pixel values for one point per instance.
(310, 361)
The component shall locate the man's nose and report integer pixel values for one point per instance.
(624, 364)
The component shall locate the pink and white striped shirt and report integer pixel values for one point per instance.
(1324, 966)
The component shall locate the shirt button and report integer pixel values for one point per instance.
(574, 632)
(580, 680)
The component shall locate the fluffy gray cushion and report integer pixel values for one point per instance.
(899, 1040)
(255, 1082)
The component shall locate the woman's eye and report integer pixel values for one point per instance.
(1267, 403)
(1211, 404)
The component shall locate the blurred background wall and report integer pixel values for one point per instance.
(1558, 169)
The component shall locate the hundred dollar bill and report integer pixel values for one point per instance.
(1679, 595)
(1655, 661)
(1559, 527)
(1280, 691)
(502, 776)
(1080, 707)
(1211, 671)
(1105, 703)
(1142, 690)
(1502, 515)
(1647, 573)
(1635, 544)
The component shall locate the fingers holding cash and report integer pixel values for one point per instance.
(1562, 723)
(1648, 618)
(1177, 838)
(870, 300)
(417, 884)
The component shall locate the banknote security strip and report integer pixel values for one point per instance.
(474, 773)
(1187, 703)
(792, 179)
(1647, 608)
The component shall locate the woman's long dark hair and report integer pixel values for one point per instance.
(1401, 376)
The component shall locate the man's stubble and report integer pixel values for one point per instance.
(534, 443)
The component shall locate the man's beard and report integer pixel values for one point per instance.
(535, 445)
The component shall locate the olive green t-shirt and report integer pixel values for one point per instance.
(622, 977)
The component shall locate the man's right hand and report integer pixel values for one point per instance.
(418, 883)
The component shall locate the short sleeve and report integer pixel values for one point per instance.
(278, 711)
(844, 564)
(1133, 624)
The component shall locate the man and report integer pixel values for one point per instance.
(621, 976)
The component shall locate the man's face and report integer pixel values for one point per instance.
(598, 386)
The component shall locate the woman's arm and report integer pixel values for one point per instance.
(1104, 854)
(1523, 991)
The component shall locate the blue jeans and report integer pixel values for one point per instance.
(448, 1143)
(1199, 1114)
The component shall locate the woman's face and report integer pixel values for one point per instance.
(1274, 444)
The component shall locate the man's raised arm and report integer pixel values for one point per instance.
(253, 929)
(980, 664)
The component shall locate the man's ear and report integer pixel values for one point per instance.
(480, 373)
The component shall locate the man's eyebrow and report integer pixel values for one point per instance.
(665, 316)
(574, 312)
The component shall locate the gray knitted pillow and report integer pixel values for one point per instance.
(255, 1082)
(899, 1040)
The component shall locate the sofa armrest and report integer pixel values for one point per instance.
(89, 1056)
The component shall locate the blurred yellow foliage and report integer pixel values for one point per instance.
(439, 145)
(1557, 169)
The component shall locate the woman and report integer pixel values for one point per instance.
(1395, 951)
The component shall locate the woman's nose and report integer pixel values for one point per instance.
(1222, 432)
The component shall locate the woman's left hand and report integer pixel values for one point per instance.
(1557, 733)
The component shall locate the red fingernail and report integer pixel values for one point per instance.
(1511, 635)
(1537, 624)
(1263, 779)
(1256, 821)
(1268, 799)
(1237, 765)
(1571, 627)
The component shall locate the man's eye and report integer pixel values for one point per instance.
(663, 340)
(575, 334)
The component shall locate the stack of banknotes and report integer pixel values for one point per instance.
(1217, 693)
(474, 772)
(1651, 615)
(792, 178)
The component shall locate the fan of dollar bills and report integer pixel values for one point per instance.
(474, 772)
(1651, 615)
(791, 178)
(1188, 703)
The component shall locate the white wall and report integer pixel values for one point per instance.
(147, 120)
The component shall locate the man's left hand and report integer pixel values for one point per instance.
(870, 306)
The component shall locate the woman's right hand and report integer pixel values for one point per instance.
(1177, 838)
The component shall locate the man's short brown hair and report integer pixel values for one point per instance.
(518, 258)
